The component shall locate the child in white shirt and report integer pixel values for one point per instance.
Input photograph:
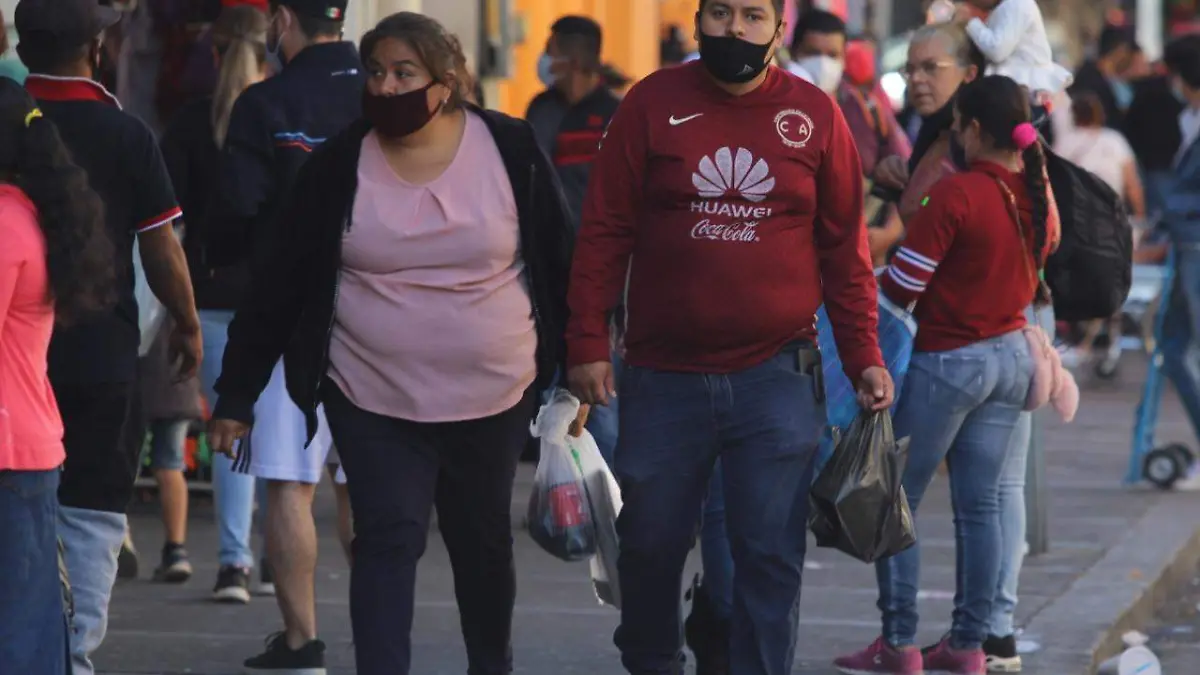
(1013, 38)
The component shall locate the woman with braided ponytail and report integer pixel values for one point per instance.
(970, 263)
(55, 265)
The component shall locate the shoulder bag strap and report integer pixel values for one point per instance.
(1010, 201)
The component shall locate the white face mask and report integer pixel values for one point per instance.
(824, 71)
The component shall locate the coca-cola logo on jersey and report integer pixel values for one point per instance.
(731, 183)
(706, 229)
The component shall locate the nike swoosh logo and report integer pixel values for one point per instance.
(676, 122)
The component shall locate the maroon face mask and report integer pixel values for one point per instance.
(400, 115)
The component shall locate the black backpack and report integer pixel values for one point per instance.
(1091, 272)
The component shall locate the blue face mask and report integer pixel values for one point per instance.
(544, 65)
(1123, 92)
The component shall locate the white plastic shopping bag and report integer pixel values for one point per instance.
(560, 517)
(604, 497)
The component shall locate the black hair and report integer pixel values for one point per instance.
(777, 4)
(1000, 105)
(80, 256)
(1182, 57)
(438, 49)
(312, 27)
(51, 57)
(1113, 38)
(581, 39)
(817, 21)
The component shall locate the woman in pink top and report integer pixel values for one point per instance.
(418, 290)
(55, 262)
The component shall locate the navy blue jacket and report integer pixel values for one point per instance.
(275, 126)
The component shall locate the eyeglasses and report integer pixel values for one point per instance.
(926, 68)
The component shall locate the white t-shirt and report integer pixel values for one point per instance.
(1104, 152)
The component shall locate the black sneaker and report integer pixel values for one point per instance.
(279, 659)
(1001, 653)
(266, 580)
(233, 585)
(175, 568)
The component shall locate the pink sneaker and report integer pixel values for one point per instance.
(944, 660)
(881, 659)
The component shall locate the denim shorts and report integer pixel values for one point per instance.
(168, 441)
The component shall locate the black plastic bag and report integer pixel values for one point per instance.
(858, 504)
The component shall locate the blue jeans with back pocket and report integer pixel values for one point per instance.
(33, 621)
(962, 406)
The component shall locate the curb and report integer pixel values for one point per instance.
(1083, 627)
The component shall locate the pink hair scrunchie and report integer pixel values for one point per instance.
(1024, 135)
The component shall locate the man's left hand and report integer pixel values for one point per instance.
(876, 389)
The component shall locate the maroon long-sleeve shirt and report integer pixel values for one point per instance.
(734, 216)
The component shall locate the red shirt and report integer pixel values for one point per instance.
(735, 217)
(31, 430)
(962, 261)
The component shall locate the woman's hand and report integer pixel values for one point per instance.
(223, 434)
(580, 422)
(892, 172)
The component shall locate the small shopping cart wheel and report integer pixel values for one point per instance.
(1166, 465)
(1184, 453)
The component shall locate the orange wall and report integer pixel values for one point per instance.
(683, 14)
(631, 36)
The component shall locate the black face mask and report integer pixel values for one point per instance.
(731, 59)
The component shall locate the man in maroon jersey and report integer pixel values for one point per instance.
(731, 194)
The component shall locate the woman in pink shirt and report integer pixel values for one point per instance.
(55, 263)
(418, 290)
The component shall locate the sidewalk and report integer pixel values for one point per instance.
(1112, 549)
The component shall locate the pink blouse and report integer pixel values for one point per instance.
(433, 321)
(31, 429)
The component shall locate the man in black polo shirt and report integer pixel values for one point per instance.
(275, 126)
(93, 364)
(569, 120)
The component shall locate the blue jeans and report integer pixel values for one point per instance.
(1181, 333)
(33, 621)
(1156, 184)
(1012, 507)
(764, 424)
(233, 492)
(962, 406)
(715, 554)
(602, 421)
(91, 540)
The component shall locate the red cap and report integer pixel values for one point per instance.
(860, 62)
(260, 4)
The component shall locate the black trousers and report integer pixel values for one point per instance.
(102, 436)
(396, 472)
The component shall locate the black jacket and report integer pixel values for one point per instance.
(571, 135)
(291, 307)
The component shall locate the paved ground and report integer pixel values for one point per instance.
(1175, 635)
(560, 629)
